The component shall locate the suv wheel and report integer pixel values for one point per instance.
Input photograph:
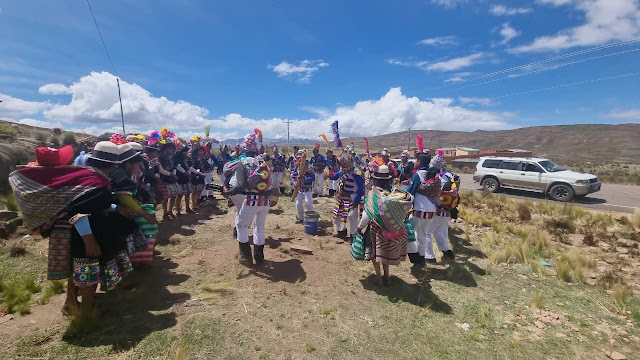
(561, 192)
(491, 184)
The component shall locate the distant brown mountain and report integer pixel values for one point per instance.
(566, 144)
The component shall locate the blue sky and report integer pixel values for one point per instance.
(375, 66)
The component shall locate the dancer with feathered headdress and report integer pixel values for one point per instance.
(319, 163)
(349, 196)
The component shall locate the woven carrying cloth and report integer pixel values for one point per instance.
(388, 211)
(43, 193)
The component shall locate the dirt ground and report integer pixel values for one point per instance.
(196, 302)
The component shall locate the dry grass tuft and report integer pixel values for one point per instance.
(221, 288)
(621, 296)
(285, 249)
(557, 226)
(635, 219)
(612, 277)
(524, 212)
(83, 323)
(175, 240)
(514, 251)
(571, 264)
(538, 300)
(17, 249)
(590, 239)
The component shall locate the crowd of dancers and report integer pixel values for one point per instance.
(98, 209)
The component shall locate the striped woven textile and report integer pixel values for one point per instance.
(43, 193)
(387, 212)
(423, 215)
(388, 250)
(342, 208)
(149, 230)
(257, 200)
(144, 255)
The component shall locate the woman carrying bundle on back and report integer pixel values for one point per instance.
(74, 207)
(384, 215)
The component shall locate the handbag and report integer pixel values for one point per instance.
(357, 247)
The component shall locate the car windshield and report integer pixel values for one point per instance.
(550, 166)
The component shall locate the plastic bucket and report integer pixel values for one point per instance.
(311, 222)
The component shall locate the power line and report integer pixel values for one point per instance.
(115, 73)
(572, 54)
(554, 67)
(566, 85)
(101, 38)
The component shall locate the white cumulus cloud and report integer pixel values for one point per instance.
(40, 123)
(604, 21)
(54, 89)
(441, 40)
(301, 72)
(507, 33)
(94, 99)
(94, 109)
(11, 108)
(501, 10)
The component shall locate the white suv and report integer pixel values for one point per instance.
(534, 174)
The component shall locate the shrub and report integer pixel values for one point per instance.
(41, 138)
(560, 225)
(10, 202)
(8, 131)
(55, 141)
(589, 239)
(17, 249)
(69, 139)
(524, 213)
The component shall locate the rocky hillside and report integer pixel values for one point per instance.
(567, 144)
(18, 142)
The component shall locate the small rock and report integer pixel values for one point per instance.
(617, 356)
(612, 342)
(560, 304)
(465, 327)
(539, 324)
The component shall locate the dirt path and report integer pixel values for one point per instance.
(196, 302)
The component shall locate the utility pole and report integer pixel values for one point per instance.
(288, 122)
(409, 143)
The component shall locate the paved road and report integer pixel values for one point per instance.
(612, 197)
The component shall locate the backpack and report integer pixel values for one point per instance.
(258, 174)
(449, 199)
(429, 187)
